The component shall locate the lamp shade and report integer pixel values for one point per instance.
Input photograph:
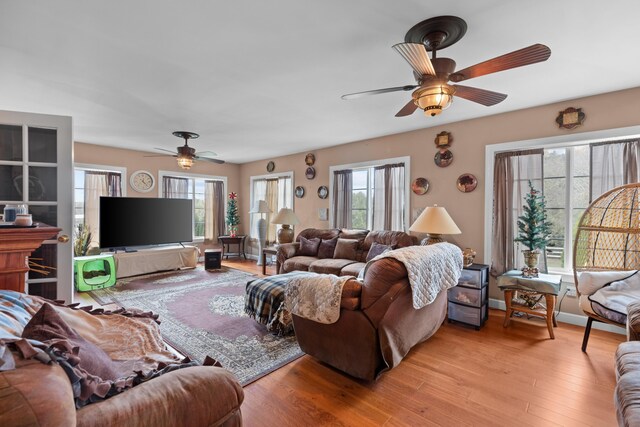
(435, 220)
(285, 216)
(261, 207)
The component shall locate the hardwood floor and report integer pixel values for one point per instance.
(497, 376)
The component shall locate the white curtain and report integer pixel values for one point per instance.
(272, 201)
(175, 188)
(613, 164)
(277, 192)
(95, 186)
(214, 221)
(389, 197)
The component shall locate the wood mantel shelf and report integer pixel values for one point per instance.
(16, 244)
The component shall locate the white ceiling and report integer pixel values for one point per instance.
(262, 78)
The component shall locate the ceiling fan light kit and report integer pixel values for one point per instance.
(186, 155)
(433, 93)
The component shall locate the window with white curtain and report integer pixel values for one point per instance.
(277, 191)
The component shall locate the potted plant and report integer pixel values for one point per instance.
(82, 240)
(533, 228)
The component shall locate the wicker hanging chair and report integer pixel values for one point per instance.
(608, 239)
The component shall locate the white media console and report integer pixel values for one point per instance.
(151, 260)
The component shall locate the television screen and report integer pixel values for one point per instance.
(141, 221)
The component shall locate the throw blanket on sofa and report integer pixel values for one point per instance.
(612, 299)
(316, 298)
(431, 269)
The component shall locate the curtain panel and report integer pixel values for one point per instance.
(613, 164)
(214, 220)
(175, 188)
(277, 193)
(271, 198)
(98, 184)
(512, 172)
(389, 197)
(342, 198)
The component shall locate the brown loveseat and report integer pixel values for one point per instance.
(627, 392)
(379, 326)
(290, 259)
(38, 394)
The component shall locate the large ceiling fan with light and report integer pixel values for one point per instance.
(186, 155)
(433, 91)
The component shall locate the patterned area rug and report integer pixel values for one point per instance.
(202, 313)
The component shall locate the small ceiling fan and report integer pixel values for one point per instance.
(433, 92)
(186, 155)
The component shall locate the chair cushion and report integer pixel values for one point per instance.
(327, 248)
(309, 247)
(352, 269)
(298, 263)
(329, 266)
(346, 249)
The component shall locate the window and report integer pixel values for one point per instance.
(370, 195)
(277, 191)
(190, 186)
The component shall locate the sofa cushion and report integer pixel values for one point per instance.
(327, 248)
(298, 263)
(396, 239)
(346, 249)
(309, 247)
(329, 265)
(324, 234)
(352, 269)
(377, 249)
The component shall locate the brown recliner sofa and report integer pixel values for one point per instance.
(38, 394)
(288, 257)
(627, 391)
(376, 332)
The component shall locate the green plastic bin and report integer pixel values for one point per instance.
(94, 272)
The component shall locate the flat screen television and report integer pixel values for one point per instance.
(140, 221)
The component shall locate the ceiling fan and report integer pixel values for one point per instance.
(433, 92)
(186, 155)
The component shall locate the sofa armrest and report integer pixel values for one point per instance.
(633, 321)
(286, 251)
(194, 396)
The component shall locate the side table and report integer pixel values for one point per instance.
(227, 241)
(546, 285)
(269, 250)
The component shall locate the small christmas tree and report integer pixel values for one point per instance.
(233, 219)
(533, 228)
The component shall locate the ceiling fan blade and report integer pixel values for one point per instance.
(407, 110)
(168, 151)
(378, 91)
(206, 159)
(527, 56)
(481, 96)
(416, 55)
(162, 155)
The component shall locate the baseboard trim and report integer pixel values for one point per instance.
(572, 319)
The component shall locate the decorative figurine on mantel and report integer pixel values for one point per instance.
(533, 230)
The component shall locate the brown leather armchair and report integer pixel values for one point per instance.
(374, 335)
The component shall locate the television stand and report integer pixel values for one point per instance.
(163, 258)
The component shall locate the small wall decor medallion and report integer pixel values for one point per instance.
(310, 159)
(443, 140)
(467, 183)
(420, 186)
(443, 158)
(299, 191)
(310, 173)
(570, 118)
(323, 192)
(271, 166)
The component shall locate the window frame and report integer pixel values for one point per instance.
(96, 168)
(192, 177)
(561, 141)
(278, 175)
(371, 164)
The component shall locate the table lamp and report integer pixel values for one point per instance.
(286, 217)
(261, 208)
(434, 221)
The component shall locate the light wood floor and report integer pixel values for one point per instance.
(497, 376)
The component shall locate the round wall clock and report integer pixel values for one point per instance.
(323, 192)
(142, 181)
(299, 191)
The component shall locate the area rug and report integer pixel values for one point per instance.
(202, 313)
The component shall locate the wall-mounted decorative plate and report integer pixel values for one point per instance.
(310, 159)
(310, 173)
(443, 158)
(420, 186)
(271, 166)
(299, 192)
(323, 192)
(467, 183)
